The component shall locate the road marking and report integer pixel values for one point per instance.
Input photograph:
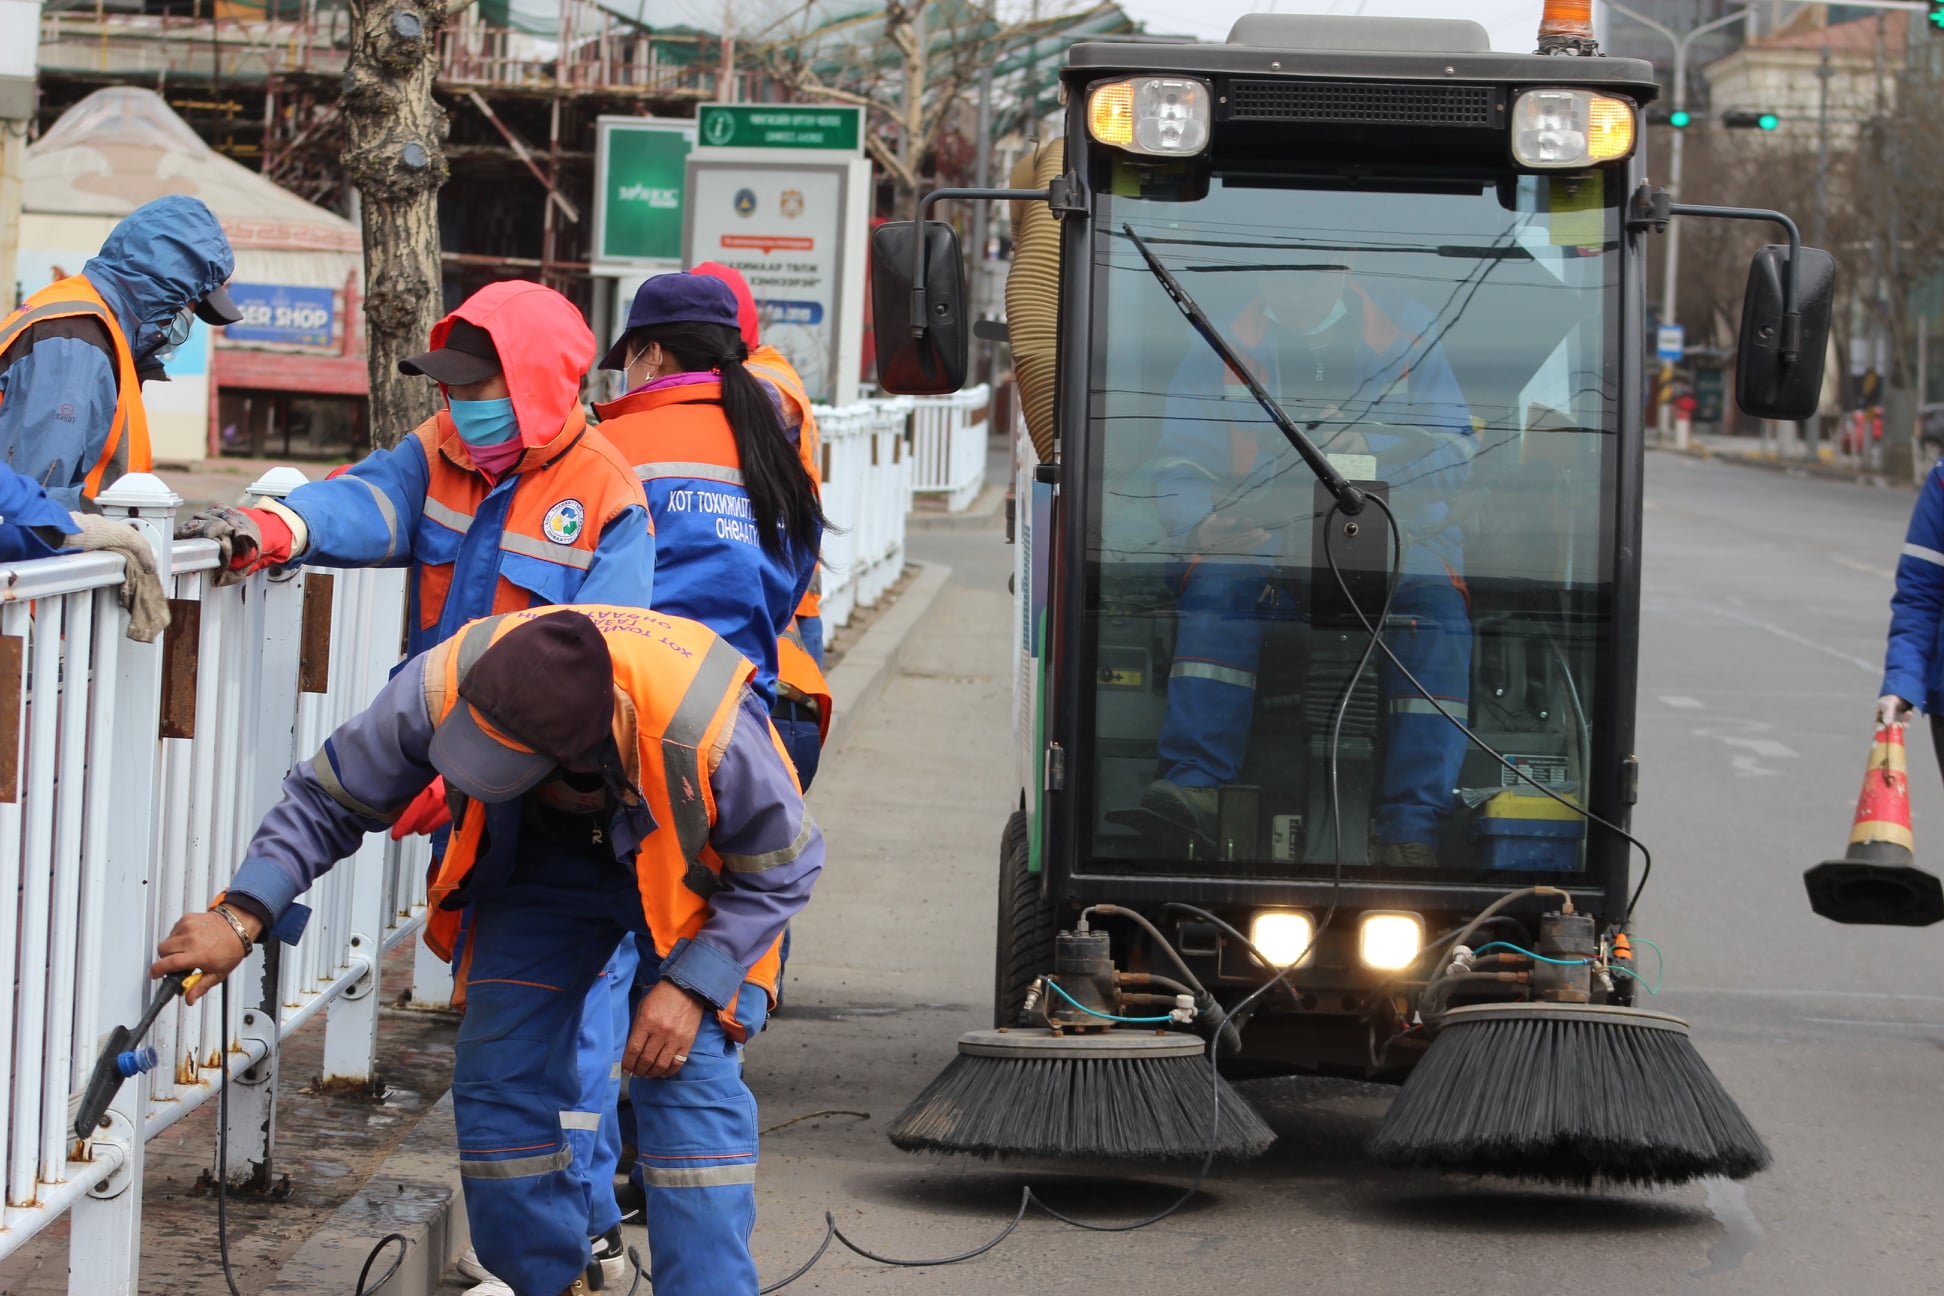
(1872, 1021)
(1794, 638)
(1680, 703)
(1765, 747)
(1883, 573)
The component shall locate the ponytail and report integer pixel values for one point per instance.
(789, 519)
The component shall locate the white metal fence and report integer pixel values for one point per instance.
(131, 776)
(867, 485)
(949, 445)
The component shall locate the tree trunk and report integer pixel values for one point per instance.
(394, 154)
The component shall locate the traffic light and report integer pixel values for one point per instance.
(1936, 16)
(1681, 119)
(1767, 121)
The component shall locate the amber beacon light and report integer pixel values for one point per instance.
(1572, 18)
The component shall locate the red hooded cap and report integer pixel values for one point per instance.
(544, 347)
(745, 303)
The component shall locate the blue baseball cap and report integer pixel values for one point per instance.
(681, 298)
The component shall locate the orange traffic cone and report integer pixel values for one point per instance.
(1876, 882)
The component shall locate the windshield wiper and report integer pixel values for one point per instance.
(1349, 498)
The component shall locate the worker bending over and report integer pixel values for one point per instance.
(505, 499)
(613, 775)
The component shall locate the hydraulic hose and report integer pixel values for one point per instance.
(1161, 942)
(1033, 296)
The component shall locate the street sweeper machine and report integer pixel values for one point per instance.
(1331, 347)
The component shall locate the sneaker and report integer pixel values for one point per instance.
(1197, 810)
(469, 1265)
(491, 1286)
(1407, 855)
(612, 1259)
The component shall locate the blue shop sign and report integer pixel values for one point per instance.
(280, 313)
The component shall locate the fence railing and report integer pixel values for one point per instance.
(949, 445)
(131, 779)
(131, 776)
(867, 472)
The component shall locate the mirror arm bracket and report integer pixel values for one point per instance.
(1652, 208)
(1065, 195)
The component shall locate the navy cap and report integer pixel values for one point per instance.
(675, 299)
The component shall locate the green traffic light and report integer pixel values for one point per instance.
(1680, 120)
(1768, 121)
(1936, 16)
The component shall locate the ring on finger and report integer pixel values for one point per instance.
(679, 1058)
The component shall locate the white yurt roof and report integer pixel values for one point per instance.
(123, 146)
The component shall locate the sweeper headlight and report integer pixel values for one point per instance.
(1285, 936)
(1570, 128)
(1161, 116)
(1390, 942)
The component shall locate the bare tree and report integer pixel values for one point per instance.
(394, 154)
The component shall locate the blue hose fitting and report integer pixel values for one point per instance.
(135, 1061)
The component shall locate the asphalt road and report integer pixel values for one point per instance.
(1764, 617)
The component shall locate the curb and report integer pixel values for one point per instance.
(416, 1191)
(978, 516)
(1791, 467)
(413, 1194)
(869, 664)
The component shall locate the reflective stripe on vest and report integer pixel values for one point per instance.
(126, 447)
(679, 688)
(706, 471)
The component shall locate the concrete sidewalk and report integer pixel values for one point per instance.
(1751, 453)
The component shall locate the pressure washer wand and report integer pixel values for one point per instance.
(120, 1057)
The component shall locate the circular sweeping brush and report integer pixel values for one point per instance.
(1567, 1093)
(1118, 1095)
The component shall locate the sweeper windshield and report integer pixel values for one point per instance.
(1455, 342)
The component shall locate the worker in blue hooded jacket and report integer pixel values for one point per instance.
(74, 356)
(1358, 363)
(1913, 665)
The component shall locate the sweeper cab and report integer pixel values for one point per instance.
(1331, 334)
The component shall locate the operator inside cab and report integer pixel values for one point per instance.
(1357, 361)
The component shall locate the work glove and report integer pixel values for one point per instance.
(427, 813)
(1892, 709)
(249, 539)
(141, 590)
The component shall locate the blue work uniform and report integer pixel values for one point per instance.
(1377, 362)
(541, 934)
(1913, 658)
(31, 524)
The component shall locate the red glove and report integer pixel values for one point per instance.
(273, 546)
(427, 814)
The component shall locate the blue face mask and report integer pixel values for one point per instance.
(484, 423)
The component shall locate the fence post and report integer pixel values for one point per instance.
(107, 1225)
(275, 630)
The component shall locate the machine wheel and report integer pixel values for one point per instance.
(1027, 923)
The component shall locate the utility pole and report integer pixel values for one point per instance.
(19, 66)
(1671, 270)
(982, 178)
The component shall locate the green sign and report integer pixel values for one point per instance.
(642, 180)
(788, 126)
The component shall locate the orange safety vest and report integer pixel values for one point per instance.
(127, 448)
(768, 365)
(569, 490)
(798, 676)
(678, 687)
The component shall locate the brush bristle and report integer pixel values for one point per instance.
(1572, 1102)
(1092, 1109)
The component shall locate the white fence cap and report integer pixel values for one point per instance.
(139, 491)
(279, 482)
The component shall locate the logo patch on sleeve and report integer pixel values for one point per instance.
(564, 522)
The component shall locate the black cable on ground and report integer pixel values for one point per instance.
(364, 1287)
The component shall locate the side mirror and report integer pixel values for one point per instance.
(1766, 385)
(935, 363)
